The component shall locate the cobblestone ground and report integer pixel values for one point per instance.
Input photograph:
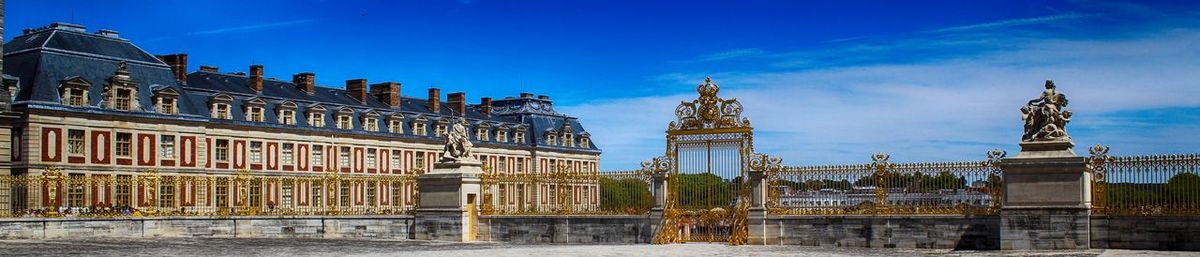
(334, 247)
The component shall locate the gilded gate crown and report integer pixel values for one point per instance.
(708, 111)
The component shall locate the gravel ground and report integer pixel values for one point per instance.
(336, 247)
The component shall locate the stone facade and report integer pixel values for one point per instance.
(936, 232)
(389, 227)
(1146, 233)
(567, 229)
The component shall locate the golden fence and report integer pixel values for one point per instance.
(564, 192)
(884, 188)
(1150, 185)
(55, 193)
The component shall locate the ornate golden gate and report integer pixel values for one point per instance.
(706, 168)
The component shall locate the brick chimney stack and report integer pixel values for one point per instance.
(178, 63)
(435, 99)
(388, 93)
(256, 77)
(305, 81)
(206, 68)
(485, 106)
(457, 101)
(357, 89)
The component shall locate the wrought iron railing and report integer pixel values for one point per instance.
(55, 193)
(882, 187)
(565, 192)
(1149, 185)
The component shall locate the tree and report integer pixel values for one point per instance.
(625, 195)
(703, 191)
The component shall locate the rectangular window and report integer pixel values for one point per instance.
(371, 193)
(315, 194)
(519, 137)
(440, 130)
(123, 100)
(371, 161)
(286, 194)
(75, 141)
(166, 192)
(419, 161)
(255, 192)
(166, 105)
(221, 111)
(371, 124)
(419, 129)
(481, 134)
(318, 155)
(503, 163)
(397, 162)
(222, 192)
(121, 195)
(287, 117)
(288, 148)
(397, 194)
(501, 136)
(316, 119)
(344, 122)
(166, 147)
(221, 152)
(344, 194)
(256, 152)
(75, 97)
(344, 157)
(396, 126)
(201, 193)
(254, 114)
(568, 140)
(585, 143)
(75, 190)
(551, 140)
(124, 144)
(520, 165)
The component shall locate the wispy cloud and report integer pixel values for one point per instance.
(731, 54)
(254, 27)
(937, 109)
(1015, 22)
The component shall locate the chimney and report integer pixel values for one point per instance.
(485, 106)
(526, 95)
(305, 81)
(388, 93)
(178, 63)
(435, 99)
(357, 88)
(457, 101)
(256, 77)
(206, 68)
(109, 33)
(544, 97)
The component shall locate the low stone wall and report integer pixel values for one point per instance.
(1146, 233)
(269, 227)
(595, 229)
(914, 231)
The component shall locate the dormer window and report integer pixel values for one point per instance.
(316, 116)
(287, 113)
(123, 99)
(254, 110)
(220, 105)
(501, 136)
(166, 105)
(584, 143)
(345, 118)
(551, 139)
(121, 91)
(419, 126)
(165, 99)
(481, 134)
(396, 124)
(74, 91)
(370, 121)
(568, 140)
(519, 137)
(440, 129)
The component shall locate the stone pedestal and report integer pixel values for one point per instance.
(449, 196)
(1047, 198)
(756, 220)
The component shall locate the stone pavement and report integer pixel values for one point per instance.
(337, 247)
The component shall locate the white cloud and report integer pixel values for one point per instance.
(254, 27)
(1015, 22)
(732, 54)
(932, 110)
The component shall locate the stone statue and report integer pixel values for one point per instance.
(458, 144)
(1046, 117)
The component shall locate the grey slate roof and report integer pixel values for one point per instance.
(41, 58)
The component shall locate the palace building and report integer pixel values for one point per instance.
(95, 108)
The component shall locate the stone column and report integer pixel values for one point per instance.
(659, 188)
(1047, 198)
(447, 193)
(756, 221)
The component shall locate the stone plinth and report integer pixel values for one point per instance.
(1047, 198)
(447, 196)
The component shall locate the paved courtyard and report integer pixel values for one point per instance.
(335, 247)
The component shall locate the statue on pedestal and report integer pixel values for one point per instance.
(1046, 117)
(458, 144)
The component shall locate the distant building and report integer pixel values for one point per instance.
(94, 105)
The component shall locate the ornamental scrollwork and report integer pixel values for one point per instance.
(709, 111)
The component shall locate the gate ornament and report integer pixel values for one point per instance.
(709, 111)
(1046, 117)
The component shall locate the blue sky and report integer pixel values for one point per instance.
(824, 82)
